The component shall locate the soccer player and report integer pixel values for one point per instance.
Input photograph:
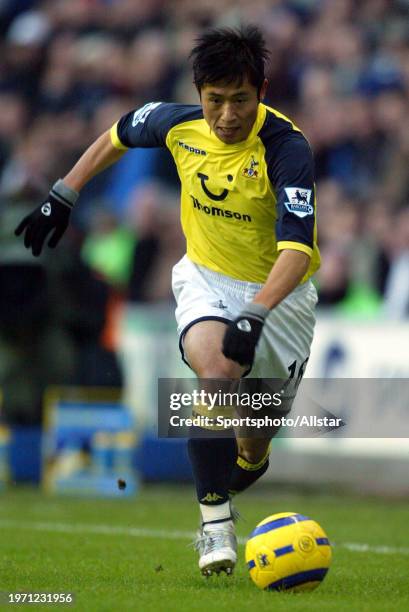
(243, 290)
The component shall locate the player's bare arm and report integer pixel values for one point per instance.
(285, 276)
(99, 156)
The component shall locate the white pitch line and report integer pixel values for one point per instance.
(136, 532)
(381, 550)
(162, 534)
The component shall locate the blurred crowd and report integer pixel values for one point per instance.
(70, 68)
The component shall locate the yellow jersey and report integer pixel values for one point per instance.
(241, 204)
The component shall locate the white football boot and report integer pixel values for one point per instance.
(217, 547)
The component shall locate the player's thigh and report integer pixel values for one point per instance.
(202, 346)
(285, 345)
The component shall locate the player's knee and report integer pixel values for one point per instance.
(219, 368)
(219, 373)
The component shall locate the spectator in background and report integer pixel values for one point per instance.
(34, 349)
(14, 118)
(24, 52)
(397, 285)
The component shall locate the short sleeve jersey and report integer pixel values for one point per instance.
(241, 204)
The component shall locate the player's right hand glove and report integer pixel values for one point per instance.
(51, 216)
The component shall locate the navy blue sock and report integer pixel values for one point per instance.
(212, 459)
(244, 473)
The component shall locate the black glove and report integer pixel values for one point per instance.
(242, 334)
(53, 214)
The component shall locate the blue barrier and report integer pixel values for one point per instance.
(25, 454)
(163, 460)
(155, 459)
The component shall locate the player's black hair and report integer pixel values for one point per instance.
(229, 55)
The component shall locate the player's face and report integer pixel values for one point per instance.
(231, 110)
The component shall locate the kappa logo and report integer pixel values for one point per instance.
(299, 201)
(251, 171)
(46, 209)
(194, 150)
(211, 497)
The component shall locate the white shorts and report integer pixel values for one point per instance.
(284, 346)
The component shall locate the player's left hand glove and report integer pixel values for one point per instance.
(242, 335)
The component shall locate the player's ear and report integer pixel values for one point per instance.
(263, 90)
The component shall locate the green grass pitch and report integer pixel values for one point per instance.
(134, 554)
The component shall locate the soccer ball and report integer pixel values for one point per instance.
(288, 552)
